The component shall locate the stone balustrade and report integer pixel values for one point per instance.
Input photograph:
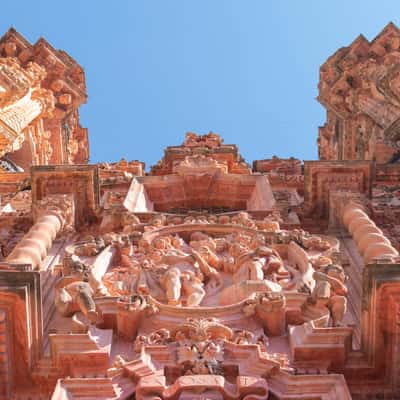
(370, 240)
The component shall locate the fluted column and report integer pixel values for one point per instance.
(370, 240)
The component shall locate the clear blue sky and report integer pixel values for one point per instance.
(157, 68)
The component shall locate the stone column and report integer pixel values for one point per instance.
(370, 240)
(52, 215)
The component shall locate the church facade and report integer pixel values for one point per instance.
(206, 277)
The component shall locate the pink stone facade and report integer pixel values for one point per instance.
(205, 278)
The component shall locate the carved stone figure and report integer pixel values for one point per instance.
(202, 278)
(330, 292)
(256, 264)
(76, 296)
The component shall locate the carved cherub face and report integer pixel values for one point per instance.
(79, 269)
(211, 351)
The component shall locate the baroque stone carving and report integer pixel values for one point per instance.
(201, 279)
(359, 87)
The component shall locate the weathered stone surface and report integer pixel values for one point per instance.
(202, 279)
(359, 88)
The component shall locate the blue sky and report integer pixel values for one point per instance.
(156, 69)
